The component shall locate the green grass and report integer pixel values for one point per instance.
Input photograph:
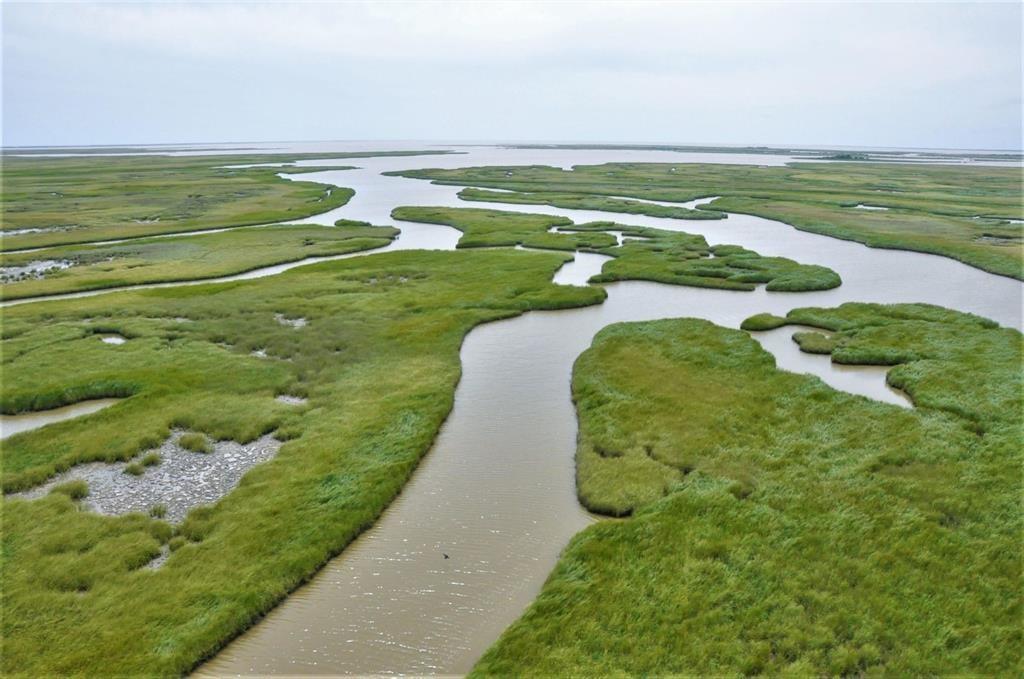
(101, 198)
(932, 208)
(573, 201)
(197, 443)
(159, 260)
(685, 259)
(814, 342)
(662, 256)
(991, 245)
(76, 490)
(780, 527)
(763, 322)
(496, 228)
(135, 469)
(378, 360)
(151, 460)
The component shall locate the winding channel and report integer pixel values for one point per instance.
(496, 492)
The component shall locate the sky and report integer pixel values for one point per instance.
(932, 75)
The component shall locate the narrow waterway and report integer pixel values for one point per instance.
(15, 424)
(496, 492)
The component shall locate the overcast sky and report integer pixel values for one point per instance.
(883, 74)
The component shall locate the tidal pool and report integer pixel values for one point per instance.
(15, 424)
(866, 380)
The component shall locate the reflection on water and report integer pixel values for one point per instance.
(866, 380)
(496, 492)
(15, 424)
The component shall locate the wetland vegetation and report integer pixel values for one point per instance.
(772, 529)
(61, 201)
(584, 202)
(155, 260)
(644, 254)
(954, 211)
(377, 361)
(771, 523)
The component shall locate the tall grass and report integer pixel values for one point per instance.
(157, 260)
(573, 201)
(949, 210)
(378, 360)
(83, 199)
(779, 526)
(651, 254)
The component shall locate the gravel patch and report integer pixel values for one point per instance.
(32, 270)
(182, 480)
(290, 400)
(165, 553)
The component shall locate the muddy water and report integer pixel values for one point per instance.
(15, 424)
(496, 492)
(866, 380)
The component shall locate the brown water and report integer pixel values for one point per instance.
(866, 380)
(496, 491)
(15, 424)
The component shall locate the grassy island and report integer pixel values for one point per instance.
(182, 258)
(62, 201)
(962, 212)
(644, 254)
(779, 526)
(377, 359)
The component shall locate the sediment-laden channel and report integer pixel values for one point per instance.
(496, 493)
(470, 540)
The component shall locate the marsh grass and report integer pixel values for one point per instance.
(686, 259)
(83, 199)
(779, 526)
(946, 210)
(763, 321)
(161, 260)
(150, 460)
(76, 490)
(651, 254)
(197, 443)
(379, 363)
(572, 201)
(814, 342)
(493, 228)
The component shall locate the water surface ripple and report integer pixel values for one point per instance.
(496, 492)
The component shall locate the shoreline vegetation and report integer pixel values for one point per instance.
(645, 254)
(875, 155)
(961, 212)
(188, 258)
(76, 200)
(768, 523)
(377, 360)
(583, 202)
(772, 531)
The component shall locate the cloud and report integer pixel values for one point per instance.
(856, 73)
